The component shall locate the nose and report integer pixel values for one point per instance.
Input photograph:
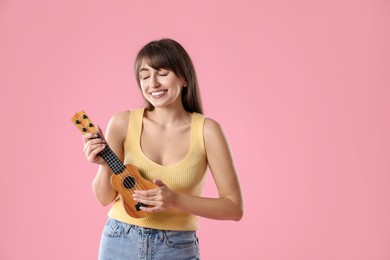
(153, 82)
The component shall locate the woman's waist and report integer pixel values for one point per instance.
(170, 219)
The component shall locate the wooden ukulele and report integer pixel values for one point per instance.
(126, 178)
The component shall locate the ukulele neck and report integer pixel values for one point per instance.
(112, 160)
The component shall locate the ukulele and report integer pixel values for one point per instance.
(125, 178)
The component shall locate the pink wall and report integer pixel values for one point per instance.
(301, 88)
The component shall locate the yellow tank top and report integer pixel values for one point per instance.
(187, 175)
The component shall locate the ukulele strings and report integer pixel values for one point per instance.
(132, 181)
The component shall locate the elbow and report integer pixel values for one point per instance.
(238, 215)
(104, 200)
(236, 210)
(104, 203)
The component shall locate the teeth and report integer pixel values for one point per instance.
(158, 93)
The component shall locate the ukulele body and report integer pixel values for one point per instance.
(125, 183)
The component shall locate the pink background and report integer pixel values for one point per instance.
(300, 87)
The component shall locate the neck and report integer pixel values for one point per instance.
(169, 116)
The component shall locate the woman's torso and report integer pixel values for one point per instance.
(179, 162)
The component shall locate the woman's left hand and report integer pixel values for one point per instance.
(160, 198)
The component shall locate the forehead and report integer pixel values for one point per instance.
(144, 66)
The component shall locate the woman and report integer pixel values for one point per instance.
(172, 144)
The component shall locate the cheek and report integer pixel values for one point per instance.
(143, 91)
(143, 86)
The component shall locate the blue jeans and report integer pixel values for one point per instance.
(123, 241)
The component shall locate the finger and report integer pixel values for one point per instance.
(147, 201)
(152, 209)
(93, 142)
(100, 132)
(158, 183)
(95, 149)
(147, 193)
(96, 141)
(94, 157)
(87, 136)
(153, 200)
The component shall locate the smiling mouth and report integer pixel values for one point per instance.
(158, 93)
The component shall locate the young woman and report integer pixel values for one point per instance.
(172, 144)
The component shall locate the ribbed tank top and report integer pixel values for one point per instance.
(187, 175)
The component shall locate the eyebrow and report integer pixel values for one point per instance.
(143, 69)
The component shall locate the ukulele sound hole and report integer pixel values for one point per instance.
(129, 182)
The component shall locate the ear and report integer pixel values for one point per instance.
(182, 81)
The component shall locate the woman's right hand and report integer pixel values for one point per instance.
(93, 145)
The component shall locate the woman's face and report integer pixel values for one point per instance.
(161, 87)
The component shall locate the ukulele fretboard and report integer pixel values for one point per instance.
(112, 160)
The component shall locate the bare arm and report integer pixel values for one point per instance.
(228, 205)
(115, 134)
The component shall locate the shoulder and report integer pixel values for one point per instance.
(212, 131)
(216, 143)
(211, 126)
(119, 119)
(118, 124)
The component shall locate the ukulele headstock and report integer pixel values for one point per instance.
(83, 123)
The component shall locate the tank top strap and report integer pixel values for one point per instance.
(197, 138)
(134, 128)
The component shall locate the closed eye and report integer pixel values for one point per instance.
(163, 72)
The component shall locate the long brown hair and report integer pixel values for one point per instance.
(169, 54)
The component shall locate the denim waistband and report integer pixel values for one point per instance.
(145, 230)
(125, 227)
